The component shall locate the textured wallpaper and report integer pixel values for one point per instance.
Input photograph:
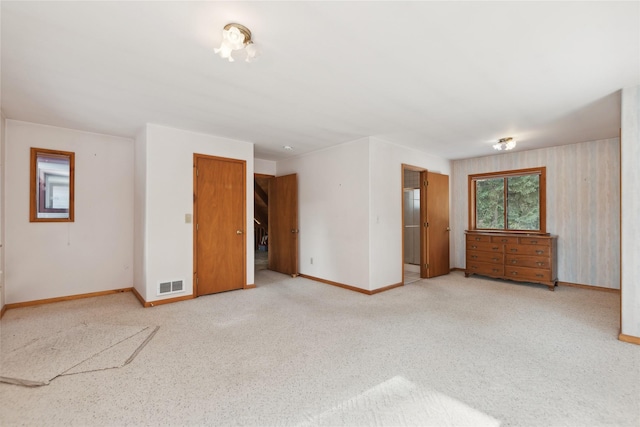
(583, 206)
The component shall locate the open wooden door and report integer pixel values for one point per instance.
(219, 226)
(436, 202)
(283, 224)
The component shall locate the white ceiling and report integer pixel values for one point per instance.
(448, 78)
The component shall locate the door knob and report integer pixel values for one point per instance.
(293, 230)
(448, 229)
(239, 231)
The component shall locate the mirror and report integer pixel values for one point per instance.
(51, 198)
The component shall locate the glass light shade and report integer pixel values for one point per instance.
(505, 144)
(234, 38)
(251, 51)
(224, 51)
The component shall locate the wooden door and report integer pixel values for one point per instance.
(437, 220)
(283, 224)
(219, 224)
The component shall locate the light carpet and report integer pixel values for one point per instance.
(83, 348)
(294, 351)
(399, 402)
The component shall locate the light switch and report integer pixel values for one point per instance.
(187, 218)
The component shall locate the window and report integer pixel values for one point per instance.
(508, 201)
(51, 194)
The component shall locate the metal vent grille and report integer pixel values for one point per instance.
(165, 287)
(177, 286)
(170, 287)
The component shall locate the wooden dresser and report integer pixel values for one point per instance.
(525, 258)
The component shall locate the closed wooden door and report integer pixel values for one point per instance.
(220, 222)
(283, 224)
(437, 220)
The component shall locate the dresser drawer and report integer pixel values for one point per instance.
(534, 241)
(478, 238)
(528, 261)
(484, 246)
(527, 250)
(492, 257)
(504, 239)
(523, 273)
(485, 268)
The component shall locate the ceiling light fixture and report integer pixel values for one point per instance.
(236, 37)
(505, 144)
(287, 147)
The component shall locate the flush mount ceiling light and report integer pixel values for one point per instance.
(236, 38)
(287, 147)
(505, 144)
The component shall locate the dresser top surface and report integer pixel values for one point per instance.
(510, 234)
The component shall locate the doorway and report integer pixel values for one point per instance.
(276, 223)
(425, 224)
(411, 226)
(261, 220)
(219, 207)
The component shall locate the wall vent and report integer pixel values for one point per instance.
(170, 287)
(177, 286)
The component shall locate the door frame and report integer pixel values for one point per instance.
(197, 156)
(423, 214)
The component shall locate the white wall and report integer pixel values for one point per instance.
(583, 205)
(95, 252)
(265, 167)
(168, 239)
(333, 212)
(630, 149)
(350, 210)
(386, 206)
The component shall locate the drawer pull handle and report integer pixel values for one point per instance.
(533, 242)
(495, 259)
(478, 239)
(474, 247)
(514, 261)
(495, 248)
(505, 240)
(474, 256)
(539, 252)
(515, 273)
(540, 264)
(538, 275)
(514, 250)
(495, 270)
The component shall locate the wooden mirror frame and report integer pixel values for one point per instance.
(37, 192)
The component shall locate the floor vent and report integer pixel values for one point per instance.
(170, 287)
